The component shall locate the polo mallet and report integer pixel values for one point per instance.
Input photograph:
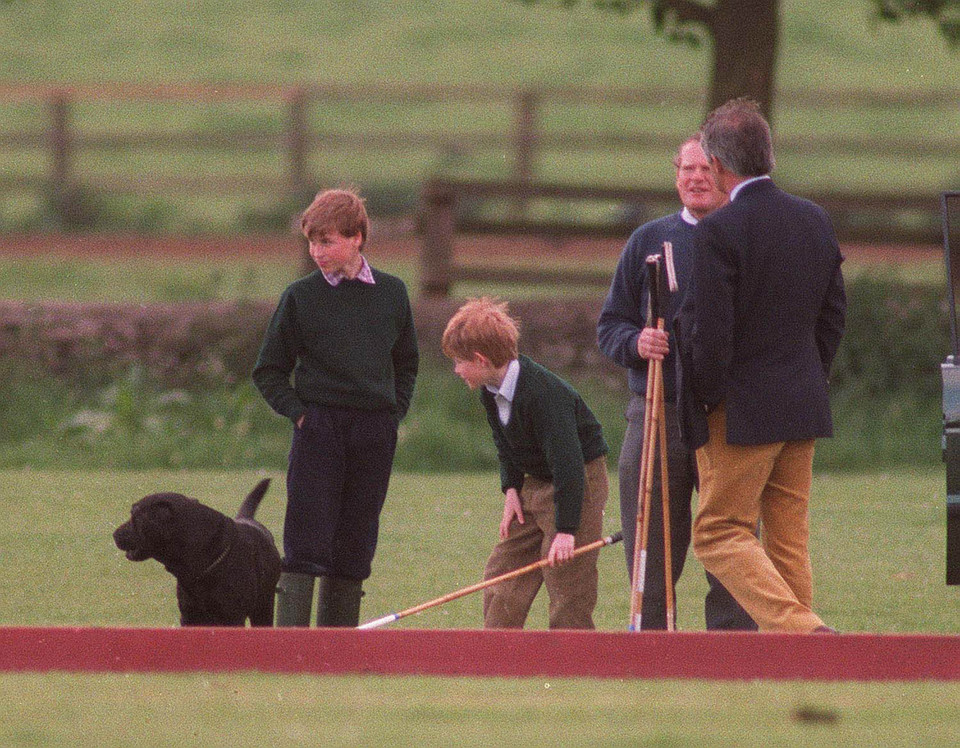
(597, 544)
(664, 477)
(654, 431)
(645, 483)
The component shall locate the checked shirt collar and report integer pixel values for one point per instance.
(364, 276)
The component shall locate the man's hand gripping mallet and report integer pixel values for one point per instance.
(654, 433)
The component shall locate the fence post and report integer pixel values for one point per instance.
(526, 104)
(298, 153)
(61, 187)
(298, 147)
(439, 227)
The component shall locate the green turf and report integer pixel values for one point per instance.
(145, 279)
(248, 710)
(833, 45)
(877, 546)
(877, 549)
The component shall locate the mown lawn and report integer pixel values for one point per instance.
(877, 544)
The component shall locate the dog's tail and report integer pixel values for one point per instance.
(249, 506)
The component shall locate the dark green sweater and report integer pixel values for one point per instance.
(351, 345)
(551, 434)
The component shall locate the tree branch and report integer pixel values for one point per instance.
(687, 11)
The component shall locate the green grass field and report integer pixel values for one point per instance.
(833, 46)
(877, 548)
(878, 536)
(877, 545)
(248, 710)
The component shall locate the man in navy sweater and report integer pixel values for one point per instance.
(623, 337)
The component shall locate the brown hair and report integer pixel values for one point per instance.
(482, 326)
(337, 210)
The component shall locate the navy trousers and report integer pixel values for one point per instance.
(339, 470)
(721, 611)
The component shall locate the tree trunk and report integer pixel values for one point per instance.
(745, 39)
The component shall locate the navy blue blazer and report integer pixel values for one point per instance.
(762, 320)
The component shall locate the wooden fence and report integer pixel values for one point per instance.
(63, 143)
(862, 217)
(523, 140)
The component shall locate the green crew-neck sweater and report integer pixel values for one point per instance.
(551, 434)
(351, 345)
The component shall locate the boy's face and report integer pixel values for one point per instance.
(335, 253)
(476, 371)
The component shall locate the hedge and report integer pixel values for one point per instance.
(897, 335)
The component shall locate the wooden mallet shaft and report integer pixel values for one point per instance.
(595, 545)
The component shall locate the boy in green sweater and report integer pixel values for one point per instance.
(345, 332)
(553, 470)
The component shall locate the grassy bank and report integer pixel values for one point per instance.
(886, 385)
(130, 424)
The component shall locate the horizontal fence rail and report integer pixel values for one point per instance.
(861, 217)
(63, 141)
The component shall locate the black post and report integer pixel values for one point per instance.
(950, 374)
(525, 144)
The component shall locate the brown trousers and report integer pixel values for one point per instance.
(771, 580)
(571, 586)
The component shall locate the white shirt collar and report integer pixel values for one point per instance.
(744, 183)
(508, 386)
(688, 217)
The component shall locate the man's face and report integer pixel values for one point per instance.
(695, 183)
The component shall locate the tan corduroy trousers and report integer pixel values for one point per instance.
(771, 578)
(571, 586)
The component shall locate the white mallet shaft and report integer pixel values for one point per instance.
(671, 271)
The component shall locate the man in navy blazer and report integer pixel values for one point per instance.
(756, 335)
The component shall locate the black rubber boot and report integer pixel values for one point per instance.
(338, 602)
(294, 599)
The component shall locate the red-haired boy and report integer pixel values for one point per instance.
(552, 469)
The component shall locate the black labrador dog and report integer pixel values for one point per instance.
(226, 569)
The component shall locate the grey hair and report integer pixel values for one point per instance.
(738, 135)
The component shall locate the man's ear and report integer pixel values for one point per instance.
(719, 171)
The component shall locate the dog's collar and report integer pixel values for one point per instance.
(217, 561)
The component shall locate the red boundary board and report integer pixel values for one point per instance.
(555, 654)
